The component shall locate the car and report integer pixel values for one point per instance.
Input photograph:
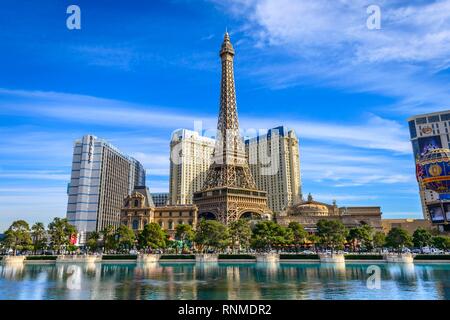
(308, 252)
(416, 250)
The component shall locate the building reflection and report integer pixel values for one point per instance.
(231, 281)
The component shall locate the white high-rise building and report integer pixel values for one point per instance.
(101, 178)
(429, 131)
(193, 156)
(189, 162)
(274, 160)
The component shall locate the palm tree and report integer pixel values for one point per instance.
(39, 236)
(60, 231)
(109, 241)
(93, 239)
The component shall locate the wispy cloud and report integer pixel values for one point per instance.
(375, 133)
(32, 175)
(329, 44)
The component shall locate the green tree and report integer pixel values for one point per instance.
(240, 234)
(39, 236)
(313, 239)
(422, 238)
(332, 233)
(211, 234)
(93, 241)
(398, 238)
(362, 235)
(125, 237)
(60, 231)
(17, 237)
(109, 238)
(267, 234)
(441, 242)
(152, 236)
(184, 233)
(379, 239)
(300, 236)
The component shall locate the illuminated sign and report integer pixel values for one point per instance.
(427, 130)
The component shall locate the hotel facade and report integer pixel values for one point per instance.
(190, 158)
(274, 161)
(427, 132)
(100, 179)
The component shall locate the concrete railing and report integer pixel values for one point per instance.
(148, 258)
(399, 257)
(267, 257)
(206, 257)
(13, 260)
(331, 258)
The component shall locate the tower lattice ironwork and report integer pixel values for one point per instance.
(229, 190)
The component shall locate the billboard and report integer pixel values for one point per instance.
(436, 213)
(429, 143)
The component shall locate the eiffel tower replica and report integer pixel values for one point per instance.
(229, 191)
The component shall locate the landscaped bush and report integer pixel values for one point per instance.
(236, 257)
(119, 257)
(178, 257)
(41, 258)
(298, 256)
(432, 257)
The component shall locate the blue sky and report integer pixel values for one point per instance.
(137, 70)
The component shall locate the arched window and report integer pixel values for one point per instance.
(170, 224)
(180, 221)
(160, 223)
(136, 203)
(135, 224)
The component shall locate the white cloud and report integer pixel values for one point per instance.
(328, 43)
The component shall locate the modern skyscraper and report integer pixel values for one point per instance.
(429, 131)
(229, 191)
(160, 199)
(101, 178)
(275, 164)
(190, 159)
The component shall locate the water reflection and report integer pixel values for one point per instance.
(222, 281)
(12, 271)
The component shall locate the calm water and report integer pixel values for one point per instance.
(222, 281)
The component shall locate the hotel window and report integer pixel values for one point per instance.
(170, 224)
(421, 120)
(135, 224)
(433, 119)
(136, 203)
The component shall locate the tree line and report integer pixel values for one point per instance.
(213, 236)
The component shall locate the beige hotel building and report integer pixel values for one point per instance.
(191, 156)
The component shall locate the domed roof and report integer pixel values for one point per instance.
(309, 208)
